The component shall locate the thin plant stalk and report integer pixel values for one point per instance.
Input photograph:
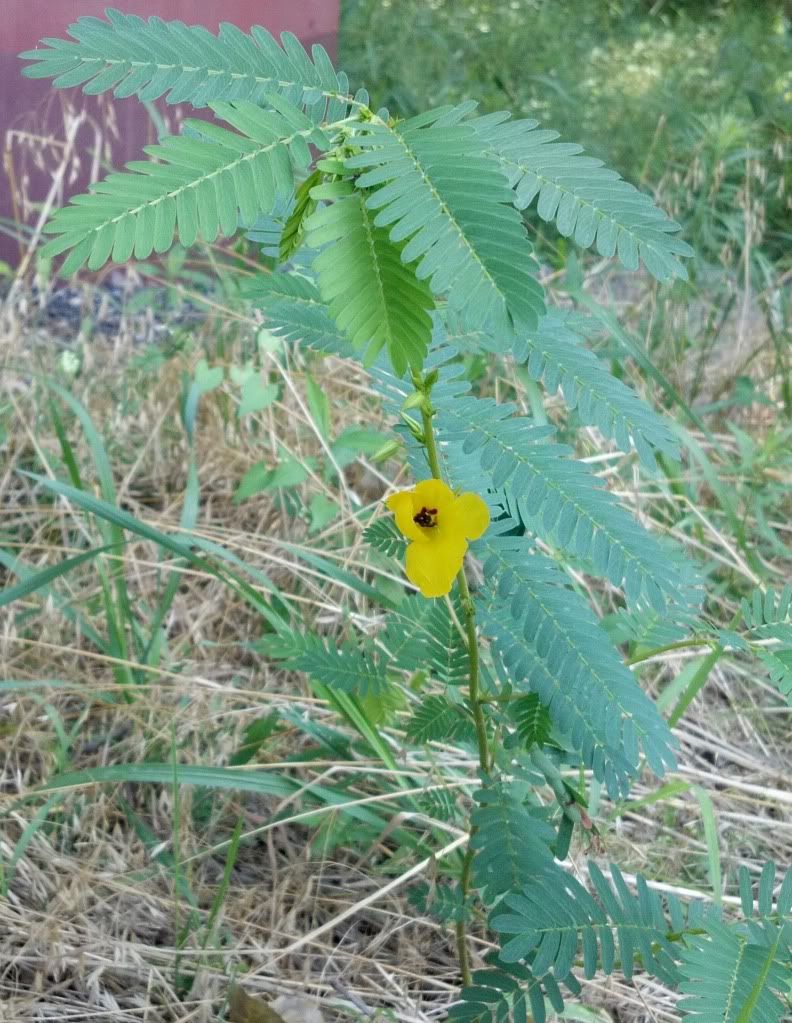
(469, 611)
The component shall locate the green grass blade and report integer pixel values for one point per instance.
(711, 840)
(29, 833)
(696, 684)
(110, 513)
(260, 782)
(44, 577)
(13, 563)
(225, 884)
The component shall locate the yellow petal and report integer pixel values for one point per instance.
(401, 505)
(433, 566)
(432, 494)
(469, 516)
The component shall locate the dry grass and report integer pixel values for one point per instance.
(92, 925)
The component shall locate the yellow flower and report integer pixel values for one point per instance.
(439, 524)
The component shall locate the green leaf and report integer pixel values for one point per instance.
(436, 719)
(360, 440)
(323, 510)
(294, 228)
(319, 404)
(259, 478)
(587, 201)
(427, 636)
(371, 290)
(553, 918)
(385, 536)
(295, 310)
(261, 782)
(509, 991)
(153, 58)
(340, 665)
(441, 902)
(711, 839)
(559, 498)
(552, 644)
(513, 841)
(555, 353)
(207, 378)
(256, 395)
(435, 186)
(532, 719)
(728, 979)
(201, 185)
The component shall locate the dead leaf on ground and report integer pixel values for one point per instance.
(244, 1008)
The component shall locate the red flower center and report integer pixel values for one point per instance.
(426, 517)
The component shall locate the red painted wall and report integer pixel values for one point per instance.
(31, 110)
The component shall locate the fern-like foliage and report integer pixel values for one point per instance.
(510, 992)
(512, 840)
(292, 235)
(295, 311)
(554, 917)
(441, 902)
(384, 536)
(778, 664)
(200, 186)
(441, 804)
(431, 638)
(732, 972)
(586, 201)
(730, 979)
(531, 719)
(768, 616)
(767, 909)
(436, 719)
(372, 294)
(349, 666)
(740, 972)
(154, 58)
(559, 497)
(551, 643)
(434, 186)
(647, 628)
(418, 637)
(554, 352)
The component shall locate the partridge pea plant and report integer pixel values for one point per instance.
(403, 244)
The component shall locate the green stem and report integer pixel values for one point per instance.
(683, 644)
(461, 933)
(468, 607)
(429, 439)
(473, 653)
(469, 611)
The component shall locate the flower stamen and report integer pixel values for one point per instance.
(426, 517)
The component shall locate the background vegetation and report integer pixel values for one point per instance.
(161, 390)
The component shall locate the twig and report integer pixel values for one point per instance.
(351, 997)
